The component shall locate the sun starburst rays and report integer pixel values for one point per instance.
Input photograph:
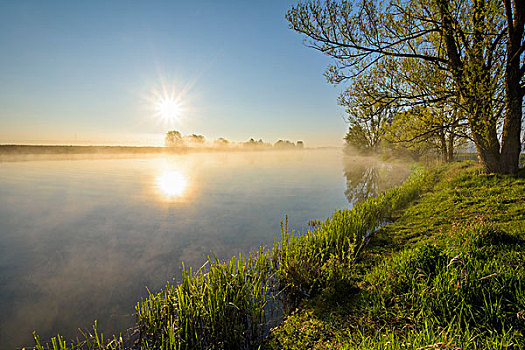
(168, 104)
(168, 108)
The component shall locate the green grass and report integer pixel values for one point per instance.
(448, 272)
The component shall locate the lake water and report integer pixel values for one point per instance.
(81, 239)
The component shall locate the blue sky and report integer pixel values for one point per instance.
(87, 71)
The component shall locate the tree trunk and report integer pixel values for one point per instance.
(510, 140)
(450, 149)
(483, 128)
(443, 146)
(472, 78)
(489, 159)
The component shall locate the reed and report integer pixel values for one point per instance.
(224, 305)
(89, 341)
(306, 264)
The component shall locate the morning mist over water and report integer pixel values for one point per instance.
(82, 239)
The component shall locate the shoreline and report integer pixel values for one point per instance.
(21, 152)
(25, 149)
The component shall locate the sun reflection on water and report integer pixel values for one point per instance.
(172, 183)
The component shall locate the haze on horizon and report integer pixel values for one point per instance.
(95, 73)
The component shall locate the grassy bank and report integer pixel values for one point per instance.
(447, 273)
(435, 263)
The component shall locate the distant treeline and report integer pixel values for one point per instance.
(20, 150)
(175, 139)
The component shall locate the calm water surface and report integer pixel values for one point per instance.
(81, 239)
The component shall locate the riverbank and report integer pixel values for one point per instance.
(443, 268)
(447, 273)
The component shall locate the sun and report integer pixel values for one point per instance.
(167, 104)
(168, 109)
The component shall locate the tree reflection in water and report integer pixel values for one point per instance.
(366, 177)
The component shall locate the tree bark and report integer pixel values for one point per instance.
(510, 140)
(511, 143)
(487, 146)
(450, 149)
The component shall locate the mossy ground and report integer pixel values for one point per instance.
(447, 273)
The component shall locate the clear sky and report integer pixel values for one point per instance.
(76, 72)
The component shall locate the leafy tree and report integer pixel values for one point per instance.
(474, 42)
(284, 144)
(173, 139)
(422, 128)
(357, 139)
(195, 140)
(251, 143)
(221, 141)
(369, 111)
(389, 101)
(432, 114)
